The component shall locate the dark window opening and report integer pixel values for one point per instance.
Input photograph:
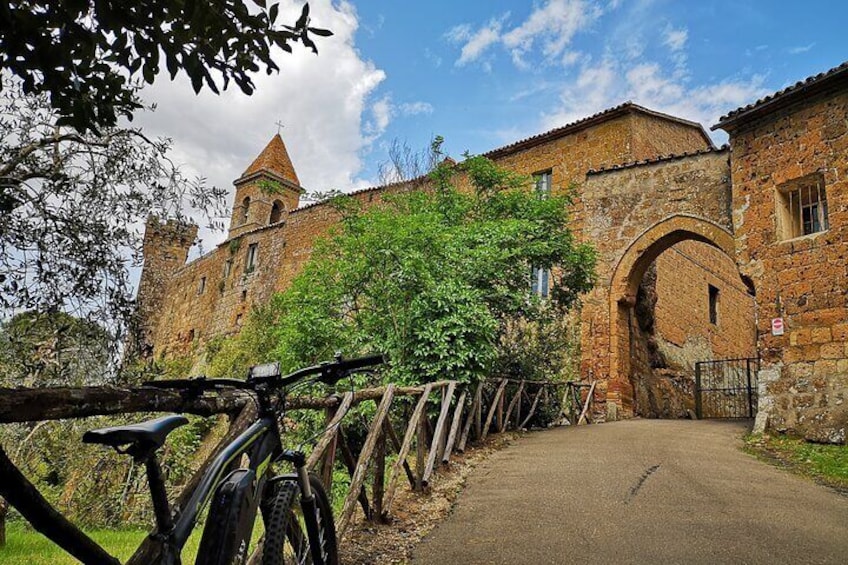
(245, 209)
(713, 292)
(243, 295)
(276, 212)
(201, 287)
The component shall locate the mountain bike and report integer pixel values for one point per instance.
(235, 493)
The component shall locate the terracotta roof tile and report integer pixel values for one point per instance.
(780, 98)
(583, 123)
(659, 159)
(274, 159)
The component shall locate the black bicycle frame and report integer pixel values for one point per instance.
(259, 442)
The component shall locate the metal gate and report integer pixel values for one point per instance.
(726, 388)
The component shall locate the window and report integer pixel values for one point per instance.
(543, 183)
(801, 207)
(276, 212)
(228, 268)
(713, 296)
(540, 282)
(238, 320)
(201, 286)
(245, 209)
(252, 250)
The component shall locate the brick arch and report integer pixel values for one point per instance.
(627, 276)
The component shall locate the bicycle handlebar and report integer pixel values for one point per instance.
(329, 373)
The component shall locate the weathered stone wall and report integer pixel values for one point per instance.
(684, 331)
(632, 215)
(165, 249)
(803, 280)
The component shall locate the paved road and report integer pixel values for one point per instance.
(639, 491)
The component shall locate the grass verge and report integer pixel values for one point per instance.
(825, 464)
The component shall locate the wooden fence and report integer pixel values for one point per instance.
(422, 426)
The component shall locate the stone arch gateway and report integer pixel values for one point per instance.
(628, 274)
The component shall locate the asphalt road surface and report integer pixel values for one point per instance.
(638, 491)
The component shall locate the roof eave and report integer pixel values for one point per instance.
(834, 82)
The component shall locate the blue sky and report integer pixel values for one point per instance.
(486, 73)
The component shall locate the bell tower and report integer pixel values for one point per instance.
(267, 190)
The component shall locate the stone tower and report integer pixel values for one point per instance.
(267, 190)
(165, 248)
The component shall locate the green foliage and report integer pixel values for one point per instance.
(52, 350)
(91, 56)
(825, 463)
(433, 278)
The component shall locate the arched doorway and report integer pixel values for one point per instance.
(633, 348)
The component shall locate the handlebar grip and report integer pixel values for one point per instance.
(361, 362)
(334, 372)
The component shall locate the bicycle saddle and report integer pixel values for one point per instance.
(149, 434)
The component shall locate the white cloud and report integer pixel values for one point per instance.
(675, 39)
(382, 112)
(322, 100)
(475, 42)
(414, 108)
(800, 49)
(610, 82)
(553, 24)
(549, 28)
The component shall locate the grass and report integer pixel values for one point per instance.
(827, 464)
(25, 546)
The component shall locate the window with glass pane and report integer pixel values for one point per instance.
(540, 282)
(543, 183)
(252, 251)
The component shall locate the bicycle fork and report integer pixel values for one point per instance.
(307, 503)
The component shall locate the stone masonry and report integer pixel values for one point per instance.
(675, 221)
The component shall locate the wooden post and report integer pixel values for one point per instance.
(421, 452)
(378, 485)
(478, 419)
(350, 465)
(471, 418)
(454, 429)
(437, 434)
(413, 427)
(496, 401)
(515, 400)
(500, 403)
(582, 418)
(329, 435)
(374, 433)
(533, 406)
(390, 432)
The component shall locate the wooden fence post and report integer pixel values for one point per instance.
(454, 429)
(533, 406)
(496, 402)
(411, 429)
(515, 399)
(437, 434)
(350, 464)
(374, 433)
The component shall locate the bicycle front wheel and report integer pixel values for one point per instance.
(286, 540)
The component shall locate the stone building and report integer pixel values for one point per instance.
(700, 248)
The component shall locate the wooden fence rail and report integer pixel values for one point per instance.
(437, 421)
